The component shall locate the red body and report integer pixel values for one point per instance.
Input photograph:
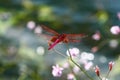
(57, 38)
(60, 38)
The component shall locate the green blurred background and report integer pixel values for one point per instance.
(24, 55)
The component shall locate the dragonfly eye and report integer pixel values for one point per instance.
(53, 39)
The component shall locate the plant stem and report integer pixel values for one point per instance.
(108, 74)
(60, 53)
(79, 66)
(100, 77)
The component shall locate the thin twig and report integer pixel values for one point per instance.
(59, 53)
(100, 77)
(79, 66)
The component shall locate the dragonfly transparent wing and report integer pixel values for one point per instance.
(48, 30)
(75, 37)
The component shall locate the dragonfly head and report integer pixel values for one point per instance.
(63, 34)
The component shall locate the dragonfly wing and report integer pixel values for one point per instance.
(75, 36)
(74, 40)
(49, 30)
(44, 36)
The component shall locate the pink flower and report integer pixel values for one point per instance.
(111, 65)
(88, 65)
(76, 69)
(66, 65)
(115, 30)
(118, 15)
(70, 76)
(94, 49)
(31, 25)
(96, 36)
(38, 30)
(57, 71)
(73, 52)
(97, 70)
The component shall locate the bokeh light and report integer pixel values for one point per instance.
(40, 50)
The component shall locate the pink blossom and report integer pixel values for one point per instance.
(118, 15)
(73, 52)
(66, 65)
(38, 30)
(70, 76)
(97, 70)
(57, 71)
(111, 65)
(76, 69)
(96, 36)
(31, 25)
(88, 65)
(115, 30)
(94, 49)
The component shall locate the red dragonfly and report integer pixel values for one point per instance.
(65, 38)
